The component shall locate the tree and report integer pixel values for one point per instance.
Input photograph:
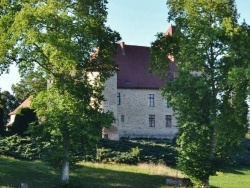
(31, 83)
(68, 40)
(24, 117)
(211, 50)
(7, 104)
(2, 131)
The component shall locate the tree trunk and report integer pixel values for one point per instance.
(65, 171)
(205, 183)
(65, 162)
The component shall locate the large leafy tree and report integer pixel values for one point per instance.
(68, 40)
(7, 104)
(23, 117)
(31, 83)
(211, 50)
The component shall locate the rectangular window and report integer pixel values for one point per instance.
(118, 98)
(122, 118)
(151, 120)
(167, 104)
(168, 121)
(151, 100)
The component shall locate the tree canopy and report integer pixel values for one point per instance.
(67, 40)
(7, 104)
(30, 84)
(209, 96)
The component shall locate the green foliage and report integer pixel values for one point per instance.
(65, 41)
(193, 143)
(209, 96)
(31, 83)
(24, 116)
(241, 156)
(68, 124)
(19, 147)
(2, 126)
(135, 151)
(39, 174)
(7, 104)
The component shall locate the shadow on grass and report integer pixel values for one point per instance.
(105, 178)
(236, 170)
(241, 159)
(36, 174)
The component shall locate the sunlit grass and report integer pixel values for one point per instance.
(121, 175)
(234, 179)
(144, 168)
(97, 175)
(38, 174)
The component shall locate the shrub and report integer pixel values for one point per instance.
(133, 151)
(242, 155)
(18, 147)
(24, 116)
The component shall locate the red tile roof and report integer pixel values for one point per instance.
(133, 62)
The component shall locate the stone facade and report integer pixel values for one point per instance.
(134, 96)
(110, 104)
(137, 117)
(132, 111)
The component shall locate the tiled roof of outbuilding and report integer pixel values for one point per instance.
(25, 104)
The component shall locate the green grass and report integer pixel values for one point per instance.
(38, 174)
(233, 179)
(90, 175)
(14, 172)
(97, 175)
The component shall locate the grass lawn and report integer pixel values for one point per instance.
(36, 174)
(90, 175)
(97, 175)
(234, 179)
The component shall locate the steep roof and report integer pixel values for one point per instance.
(133, 62)
(25, 104)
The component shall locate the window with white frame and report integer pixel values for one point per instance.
(118, 98)
(151, 100)
(168, 121)
(151, 120)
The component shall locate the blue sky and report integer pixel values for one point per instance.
(137, 21)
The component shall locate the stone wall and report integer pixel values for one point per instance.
(133, 115)
(110, 93)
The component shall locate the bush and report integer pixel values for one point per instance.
(24, 116)
(134, 151)
(18, 147)
(242, 156)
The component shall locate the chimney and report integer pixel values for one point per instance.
(122, 44)
(170, 30)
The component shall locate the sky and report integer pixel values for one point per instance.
(137, 21)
